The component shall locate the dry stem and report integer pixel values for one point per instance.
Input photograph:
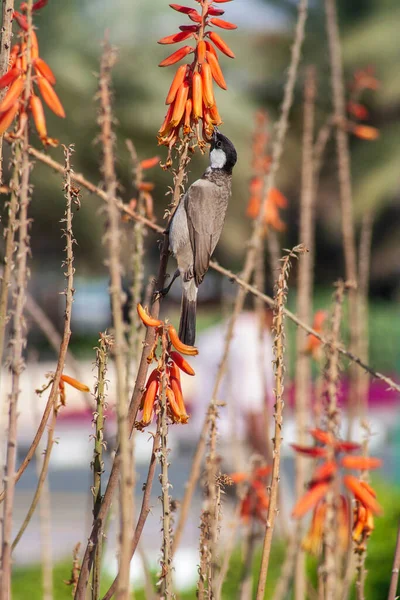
(304, 303)
(162, 424)
(18, 342)
(102, 353)
(329, 569)
(112, 240)
(279, 348)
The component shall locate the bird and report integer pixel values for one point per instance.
(196, 227)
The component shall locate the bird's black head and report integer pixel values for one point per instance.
(222, 153)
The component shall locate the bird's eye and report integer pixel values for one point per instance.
(219, 144)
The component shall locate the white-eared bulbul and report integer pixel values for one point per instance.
(197, 225)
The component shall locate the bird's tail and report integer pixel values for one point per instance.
(187, 324)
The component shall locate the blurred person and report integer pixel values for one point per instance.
(246, 388)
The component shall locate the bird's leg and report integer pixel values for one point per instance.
(165, 291)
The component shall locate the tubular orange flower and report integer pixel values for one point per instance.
(359, 111)
(223, 24)
(182, 363)
(206, 77)
(13, 56)
(176, 388)
(175, 38)
(221, 45)
(9, 77)
(176, 83)
(215, 12)
(345, 446)
(174, 411)
(363, 524)
(148, 402)
(180, 102)
(146, 186)
(362, 494)
(201, 52)
(216, 70)
(35, 48)
(215, 117)
(312, 543)
(322, 436)
(21, 20)
(361, 463)
(197, 94)
(38, 115)
(183, 9)
(149, 163)
(75, 383)
(174, 371)
(325, 471)
(221, 1)
(43, 69)
(166, 126)
(310, 499)
(176, 56)
(188, 115)
(314, 451)
(180, 346)
(12, 95)
(7, 118)
(50, 97)
(146, 318)
(365, 132)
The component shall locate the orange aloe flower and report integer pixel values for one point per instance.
(255, 502)
(364, 132)
(169, 365)
(312, 542)
(191, 96)
(330, 449)
(314, 345)
(20, 101)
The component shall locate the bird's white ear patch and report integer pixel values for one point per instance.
(217, 159)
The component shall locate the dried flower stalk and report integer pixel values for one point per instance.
(279, 347)
(329, 570)
(162, 424)
(304, 302)
(112, 240)
(17, 345)
(102, 354)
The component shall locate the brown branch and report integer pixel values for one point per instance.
(279, 349)
(344, 175)
(112, 240)
(102, 353)
(329, 570)
(304, 303)
(162, 427)
(287, 571)
(220, 269)
(18, 342)
(136, 396)
(395, 569)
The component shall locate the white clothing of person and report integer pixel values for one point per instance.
(247, 386)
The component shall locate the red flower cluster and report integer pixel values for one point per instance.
(363, 79)
(20, 100)
(191, 95)
(255, 502)
(171, 367)
(321, 483)
(261, 163)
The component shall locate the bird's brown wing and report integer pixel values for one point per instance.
(206, 205)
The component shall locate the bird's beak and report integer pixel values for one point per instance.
(215, 132)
